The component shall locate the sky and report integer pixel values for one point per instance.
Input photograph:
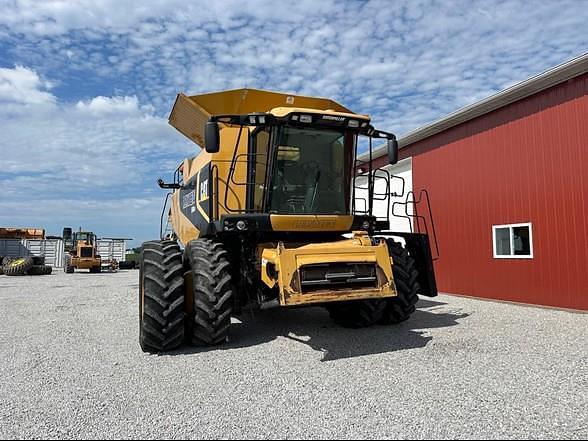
(86, 86)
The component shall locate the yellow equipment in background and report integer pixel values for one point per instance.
(266, 214)
(81, 251)
(22, 233)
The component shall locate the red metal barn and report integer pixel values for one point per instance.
(508, 181)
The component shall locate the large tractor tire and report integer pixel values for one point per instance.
(18, 266)
(39, 270)
(400, 308)
(68, 268)
(36, 270)
(357, 313)
(211, 286)
(161, 297)
(126, 265)
(38, 260)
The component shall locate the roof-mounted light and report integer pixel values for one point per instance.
(306, 118)
(353, 123)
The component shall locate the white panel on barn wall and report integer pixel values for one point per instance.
(361, 204)
(404, 170)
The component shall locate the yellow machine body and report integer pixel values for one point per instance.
(189, 116)
(190, 113)
(290, 259)
(84, 255)
(267, 215)
(85, 263)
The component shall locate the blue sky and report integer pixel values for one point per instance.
(86, 86)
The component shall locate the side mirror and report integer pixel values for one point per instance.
(211, 137)
(392, 151)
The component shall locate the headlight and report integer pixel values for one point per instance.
(241, 225)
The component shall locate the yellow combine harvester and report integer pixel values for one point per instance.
(267, 216)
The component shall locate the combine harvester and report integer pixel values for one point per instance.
(265, 216)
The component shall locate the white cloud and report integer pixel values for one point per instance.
(93, 161)
(54, 17)
(23, 86)
(100, 144)
(405, 63)
(102, 105)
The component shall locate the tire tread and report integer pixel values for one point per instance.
(161, 326)
(212, 292)
(399, 308)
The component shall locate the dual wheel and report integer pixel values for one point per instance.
(169, 285)
(388, 311)
(190, 297)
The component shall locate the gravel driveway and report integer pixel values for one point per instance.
(71, 366)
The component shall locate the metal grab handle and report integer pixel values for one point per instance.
(162, 215)
(412, 200)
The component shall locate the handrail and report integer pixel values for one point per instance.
(412, 200)
(163, 214)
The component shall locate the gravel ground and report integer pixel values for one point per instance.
(71, 367)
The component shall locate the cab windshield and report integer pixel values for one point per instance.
(311, 172)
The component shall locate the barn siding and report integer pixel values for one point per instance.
(526, 162)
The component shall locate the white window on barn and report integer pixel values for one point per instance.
(514, 241)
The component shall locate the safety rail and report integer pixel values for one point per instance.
(377, 186)
(417, 221)
(385, 195)
(378, 175)
(179, 175)
(423, 224)
(162, 231)
(251, 160)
